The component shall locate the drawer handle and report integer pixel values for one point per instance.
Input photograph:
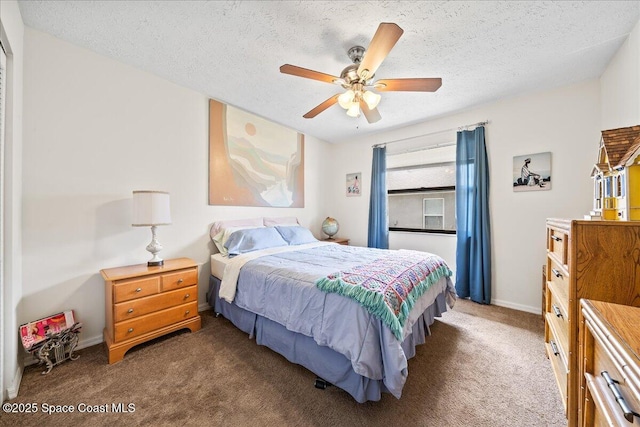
(130, 330)
(187, 312)
(187, 296)
(180, 280)
(556, 272)
(554, 348)
(557, 311)
(613, 386)
(556, 238)
(130, 310)
(139, 290)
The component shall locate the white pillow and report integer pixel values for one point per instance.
(221, 238)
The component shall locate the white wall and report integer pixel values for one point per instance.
(563, 121)
(620, 85)
(11, 29)
(95, 130)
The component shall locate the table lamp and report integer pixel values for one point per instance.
(150, 209)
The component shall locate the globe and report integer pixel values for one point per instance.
(330, 226)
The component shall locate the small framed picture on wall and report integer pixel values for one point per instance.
(353, 184)
(532, 172)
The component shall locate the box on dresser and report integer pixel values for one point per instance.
(142, 303)
(585, 259)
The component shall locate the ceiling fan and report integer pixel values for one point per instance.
(357, 78)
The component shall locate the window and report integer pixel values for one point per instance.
(421, 190)
(433, 213)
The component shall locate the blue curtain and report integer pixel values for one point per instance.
(473, 252)
(378, 227)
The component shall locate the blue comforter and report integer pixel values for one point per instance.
(281, 287)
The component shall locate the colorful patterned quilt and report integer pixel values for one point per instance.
(388, 287)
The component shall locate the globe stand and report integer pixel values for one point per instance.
(330, 227)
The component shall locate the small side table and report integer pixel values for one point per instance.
(145, 302)
(339, 240)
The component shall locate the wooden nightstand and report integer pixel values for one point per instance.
(338, 240)
(142, 303)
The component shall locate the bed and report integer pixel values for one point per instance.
(292, 296)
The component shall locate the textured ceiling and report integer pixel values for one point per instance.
(232, 50)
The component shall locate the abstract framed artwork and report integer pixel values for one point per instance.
(252, 161)
(532, 172)
(353, 184)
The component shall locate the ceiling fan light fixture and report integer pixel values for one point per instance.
(354, 110)
(372, 99)
(346, 99)
(360, 75)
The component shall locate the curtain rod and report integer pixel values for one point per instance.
(459, 128)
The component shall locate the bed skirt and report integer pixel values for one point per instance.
(322, 361)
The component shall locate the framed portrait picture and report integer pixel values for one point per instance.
(353, 184)
(532, 172)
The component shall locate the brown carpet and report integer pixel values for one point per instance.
(482, 366)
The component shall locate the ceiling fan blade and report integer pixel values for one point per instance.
(308, 74)
(320, 108)
(383, 41)
(416, 85)
(372, 115)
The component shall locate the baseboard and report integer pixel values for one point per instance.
(519, 307)
(12, 390)
(203, 307)
(90, 341)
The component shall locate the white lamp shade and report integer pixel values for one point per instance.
(354, 110)
(151, 208)
(346, 99)
(372, 99)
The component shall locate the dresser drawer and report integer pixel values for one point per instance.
(557, 243)
(557, 321)
(179, 279)
(607, 410)
(559, 297)
(130, 289)
(132, 328)
(560, 278)
(141, 306)
(560, 371)
(606, 360)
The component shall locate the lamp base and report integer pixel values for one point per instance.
(154, 247)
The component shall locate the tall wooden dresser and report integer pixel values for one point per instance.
(597, 260)
(609, 364)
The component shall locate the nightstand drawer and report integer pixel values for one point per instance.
(180, 279)
(130, 289)
(139, 307)
(132, 328)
